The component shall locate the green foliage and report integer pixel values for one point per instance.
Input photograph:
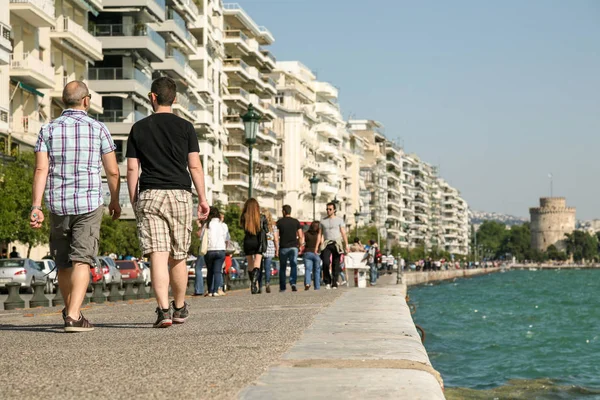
(16, 179)
(517, 242)
(582, 246)
(490, 236)
(119, 237)
(552, 253)
(232, 219)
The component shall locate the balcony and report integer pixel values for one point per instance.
(173, 64)
(269, 58)
(267, 135)
(237, 43)
(176, 24)
(185, 108)
(325, 90)
(328, 189)
(311, 165)
(27, 125)
(328, 148)
(327, 109)
(300, 88)
(75, 34)
(236, 179)
(119, 122)
(31, 70)
(119, 80)
(267, 160)
(155, 7)
(328, 130)
(328, 169)
(137, 37)
(266, 187)
(270, 87)
(39, 13)
(238, 68)
(238, 96)
(237, 151)
(233, 123)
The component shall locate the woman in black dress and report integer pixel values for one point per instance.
(255, 228)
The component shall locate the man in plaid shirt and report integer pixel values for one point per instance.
(69, 154)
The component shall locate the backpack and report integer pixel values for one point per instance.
(378, 256)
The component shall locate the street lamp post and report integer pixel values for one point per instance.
(251, 120)
(314, 183)
(356, 215)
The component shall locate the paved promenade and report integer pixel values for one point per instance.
(349, 343)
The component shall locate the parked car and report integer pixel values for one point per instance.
(145, 267)
(96, 274)
(129, 269)
(48, 267)
(22, 270)
(110, 273)
(191, 268)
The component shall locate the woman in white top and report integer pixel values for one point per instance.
(215, 255)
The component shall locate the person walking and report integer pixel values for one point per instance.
(200, 261)
(255, 230)
(272, 248)
(165, 146)
(334, 240)
(290, 232)
(372, 261)
(215, 256)
(69, 154)
(312, 261)
(390, 263)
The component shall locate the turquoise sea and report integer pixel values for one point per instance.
(514, 335)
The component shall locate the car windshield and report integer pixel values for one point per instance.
(126, 265)
(40, 264)
(109, 261)
(11, 263)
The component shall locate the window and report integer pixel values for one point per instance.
(279, 98)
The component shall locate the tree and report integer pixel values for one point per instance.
(490, 236)
(119, 237)
(581, 245)
(517, 242)
(16, 179)
(552, 253)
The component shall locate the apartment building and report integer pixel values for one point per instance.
(5, 60)
(393, 154)
(247, 65)
(455, 220)
(373, 172)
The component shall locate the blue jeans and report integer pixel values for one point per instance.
(312, 262)
(373, 267)
(267, 263)
(199, 285)
(214, 269)
(291, 254)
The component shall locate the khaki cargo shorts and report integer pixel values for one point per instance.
(74, 238)
(164, 221)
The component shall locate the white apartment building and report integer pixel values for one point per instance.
(373, 172)
(315, 141)
(395, 234)
(455, 220)
(5, 60)
(247, 65)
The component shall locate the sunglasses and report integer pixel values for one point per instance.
(330, 209)
(89, 95)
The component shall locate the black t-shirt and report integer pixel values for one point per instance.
(162, 143)
(288, 230)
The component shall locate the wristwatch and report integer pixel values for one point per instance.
(36, 208)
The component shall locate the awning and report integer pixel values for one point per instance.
(225, 160)
(29, 89)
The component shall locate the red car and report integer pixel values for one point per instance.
(96, 273)
(129, 269)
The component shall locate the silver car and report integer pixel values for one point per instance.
(49, 269)
(109, 270)
(22, 270)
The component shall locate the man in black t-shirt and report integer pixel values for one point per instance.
(165, 147)
(289, 231)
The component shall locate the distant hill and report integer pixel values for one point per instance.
(478, 217)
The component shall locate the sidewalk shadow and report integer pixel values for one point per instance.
(58, 328)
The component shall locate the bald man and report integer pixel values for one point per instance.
(69, 155)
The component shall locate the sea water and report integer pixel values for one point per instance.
(514, 335)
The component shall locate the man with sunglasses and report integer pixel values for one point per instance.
(69, 154)
(334, 240)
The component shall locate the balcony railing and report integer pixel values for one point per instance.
(236, 62)
(268, 54)
(232, 6)
(65, 24)
(269, 81)
(103, 74)
(237, 176)
(233, 148)
(27, 125)
(177, 56)
(237, 34)
(113, 30)
(233, 91)
(46, 6)
(30, 62)
(190, 73)
(118, 116)
(180, 22)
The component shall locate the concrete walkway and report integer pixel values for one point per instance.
(363, 346)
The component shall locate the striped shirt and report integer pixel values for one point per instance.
(75, 144)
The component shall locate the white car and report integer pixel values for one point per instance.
(48, 268)
(145, 267)
(109, 270)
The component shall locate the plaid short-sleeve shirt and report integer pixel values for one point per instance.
(75, 144)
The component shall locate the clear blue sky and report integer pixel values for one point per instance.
(497, 93)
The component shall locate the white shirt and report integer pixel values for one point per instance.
(217, 235)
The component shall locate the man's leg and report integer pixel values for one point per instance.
(179, 279)
(335, 266)
(75, 281)
(317, 263)
(326, 258)
(283, 256)
(159, 270)
(293, 256)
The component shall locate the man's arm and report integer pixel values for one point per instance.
(111, 168)
(133, 178)
(40, 175)
(301, 237)
(197, 173)
(344, 237)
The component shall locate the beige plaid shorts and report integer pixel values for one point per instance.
(164, 221)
